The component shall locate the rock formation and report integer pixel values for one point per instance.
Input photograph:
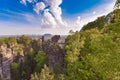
(6, 59)
(55, 53)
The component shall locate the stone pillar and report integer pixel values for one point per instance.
(42, 38)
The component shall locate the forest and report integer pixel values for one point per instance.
(93, 53)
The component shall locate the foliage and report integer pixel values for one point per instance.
(94, 54)
(99, 23)
(25, 40)
(15, 71)
(45, 74)
(40, 59)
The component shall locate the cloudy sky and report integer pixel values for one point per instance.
(19, 17)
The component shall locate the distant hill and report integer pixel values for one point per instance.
(100, 22)
(47, 36)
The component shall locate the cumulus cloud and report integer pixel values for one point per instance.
(55, 3)
(55, 9)
(23, 2)
(51, 12)
(39, 6)
(48, 20)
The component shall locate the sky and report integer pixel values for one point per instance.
(18, 17)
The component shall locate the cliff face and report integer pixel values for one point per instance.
(6, 58)
(55, 52)
(55, 57)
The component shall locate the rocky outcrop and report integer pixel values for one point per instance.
(55, 53)
(110, 18)
(55, 57)
(6, 59)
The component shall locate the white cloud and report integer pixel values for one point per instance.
(39, 6)
(56, 10)
(23, 2)
(48, 20)
(55, 3)
(51, 14)
(29, 1)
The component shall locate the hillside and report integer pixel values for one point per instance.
(94, 52)
(100, 22)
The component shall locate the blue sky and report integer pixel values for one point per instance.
(19, 17)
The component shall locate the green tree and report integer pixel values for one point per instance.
(15, 71)
(97, 58)
(41, 59)
(29, 63)
(45, 74)
(25, 40)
